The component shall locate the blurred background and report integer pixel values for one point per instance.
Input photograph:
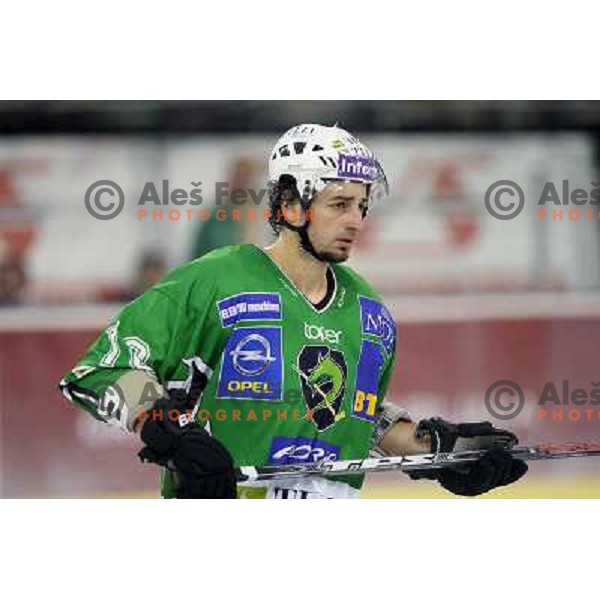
(477, 299)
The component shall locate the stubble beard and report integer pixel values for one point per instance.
(334, 257)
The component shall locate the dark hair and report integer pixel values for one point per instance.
(284, 190)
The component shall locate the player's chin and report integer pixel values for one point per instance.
(337, 255)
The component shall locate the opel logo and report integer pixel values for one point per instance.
(252, 355)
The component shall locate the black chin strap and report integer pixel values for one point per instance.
(305, 242)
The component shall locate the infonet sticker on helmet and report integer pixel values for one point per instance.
(357, 167)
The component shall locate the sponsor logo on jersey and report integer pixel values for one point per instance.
(257, 387)
(289, 451)
(323, 376)
(252, 355)
(357, 167)
(250, 306)
(368, 374)
(318, 332)
(252, 366)
(377, 320)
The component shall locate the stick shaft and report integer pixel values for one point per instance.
(410, 463)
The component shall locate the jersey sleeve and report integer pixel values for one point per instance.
(388, 413)
(153, 335)
(386, 375)
(390, 364)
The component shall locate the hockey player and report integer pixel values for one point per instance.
(251, 356)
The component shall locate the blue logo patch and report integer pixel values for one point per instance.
(252, 368)
(377, 320)
(351, 166)
(364, 405)
(289, 451)
(251, 306)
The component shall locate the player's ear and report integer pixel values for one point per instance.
(288, 200)
(292, 209)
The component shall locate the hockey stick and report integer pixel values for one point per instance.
(418, 461)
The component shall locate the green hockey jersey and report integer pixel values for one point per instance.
(279, 380)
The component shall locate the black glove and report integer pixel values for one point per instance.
(495, 468)
(203, 467)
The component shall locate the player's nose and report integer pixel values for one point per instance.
(355, 218)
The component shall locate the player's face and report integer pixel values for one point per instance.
(337, 218)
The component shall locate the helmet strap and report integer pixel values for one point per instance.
(302, 230)
(305, 242)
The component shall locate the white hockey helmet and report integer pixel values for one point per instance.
(315, 155)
